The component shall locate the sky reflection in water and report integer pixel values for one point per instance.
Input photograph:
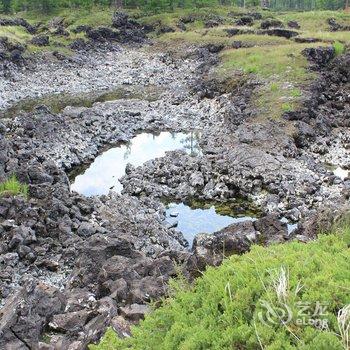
(103, 174)
(193, 221)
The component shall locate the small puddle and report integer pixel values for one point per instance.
(190, 220)
(341, 173)
(338, 171)
(104, 173)
(57, 102)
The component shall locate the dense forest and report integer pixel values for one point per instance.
(46, 6)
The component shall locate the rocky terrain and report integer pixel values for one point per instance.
(69, 265)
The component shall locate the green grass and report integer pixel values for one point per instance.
(282, 69)
(14, 33)
(219, 36)
(314, 20)
(12, 187)
(73, 17)
(339, 48)
(328, 37)
(226, 308)
(275, 61)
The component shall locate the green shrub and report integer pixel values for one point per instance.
(13, 187)
(243, 304)
(339, 48)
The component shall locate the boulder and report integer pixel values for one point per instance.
(41, 40)
(214, 48)
(102, 34)
(134, 312)
(285, 33)
(320, 56)
(165, 29)
(232, 31)
(334, 26)
(293, 24)
(22, 323)
(81, 29)
(245, 21)
(188, 19)
(79, 44)
(71, 321)
(271, 23)
(120, 19)
(306, 40)
(271, 229)
(211, 23)
(18, 22)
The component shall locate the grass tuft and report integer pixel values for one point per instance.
(12, 187)
(339, 48)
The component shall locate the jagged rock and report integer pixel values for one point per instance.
(306, 40)
(71, 321)
(238, 31)
(60, 31)
(245, 21)
(293, 24)
(211, 249)
(21, 324)
(270, 23)
(79, 44)
(271, 229)
(211, 23)
(121, 327)
(120, 19)
(335, 26)
(215, 48)
(41, 40)
(320, 56)
(18, 22)
(188, 19)
(130, 30)
(235, 239)
(102, 34)
(134, 312)
(255, 15)
(165, 29)
(285, 33)
(181, 26)
(81, 28)
(232, 31)
(133, 254)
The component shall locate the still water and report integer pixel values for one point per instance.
(104, 173)
(192, 221)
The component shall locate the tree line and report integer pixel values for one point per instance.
(47, 6)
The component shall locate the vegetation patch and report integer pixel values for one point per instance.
(287, 296)
(339, 48)
(15, 33)
(12, 187)
(282, 69)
